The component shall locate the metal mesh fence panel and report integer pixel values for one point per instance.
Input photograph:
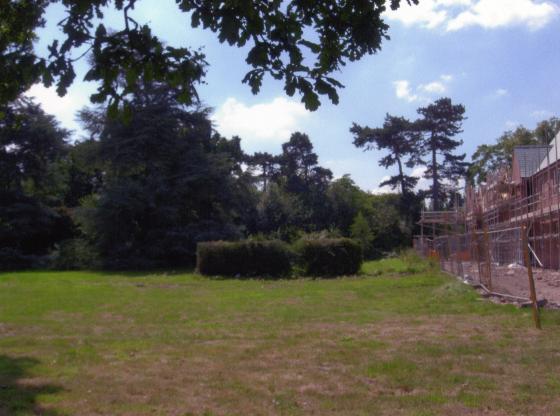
(495, 260)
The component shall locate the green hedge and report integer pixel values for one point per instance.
(329, 257)
(244, 258)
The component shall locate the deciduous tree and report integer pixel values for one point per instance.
(300, 42)
(489, 157)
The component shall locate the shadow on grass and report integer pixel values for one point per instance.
(144, 273)
(18, 399)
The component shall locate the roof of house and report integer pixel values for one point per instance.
(529, 158)
(553, 154)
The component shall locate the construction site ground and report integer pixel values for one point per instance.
(511, 280)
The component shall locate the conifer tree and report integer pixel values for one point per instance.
(441, 121)
(268, 166)
(400, 138)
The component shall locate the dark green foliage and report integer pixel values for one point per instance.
(267, 167)
(361, 232)
(294, 195)
(400, 138)
(31, 141)
(28, 230)
(300, 42)
(169, 182)
(142, 194)
(84, 169)
(74, 254)
(345, 201)
(14, 259)
(387, 218)
(279, 211)
(244, 258)
(19, 66)
(31, 217)
(329, 257)
(303, 177)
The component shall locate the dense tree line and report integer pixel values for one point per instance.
(143, 192)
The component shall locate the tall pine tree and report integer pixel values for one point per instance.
(399, 137)
(267, 166)
(440, 123)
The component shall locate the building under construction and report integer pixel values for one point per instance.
(483, 240)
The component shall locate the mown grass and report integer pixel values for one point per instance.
(401, 339)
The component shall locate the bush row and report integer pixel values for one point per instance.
(243, 258)
(324, 257)
(329, 257)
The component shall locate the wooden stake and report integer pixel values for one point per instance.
(449, 255)
(488, 258)
(536, 316)
(475, 246)
(422, 235)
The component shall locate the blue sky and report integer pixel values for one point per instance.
(500, 58)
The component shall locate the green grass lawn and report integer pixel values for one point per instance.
(398, 340)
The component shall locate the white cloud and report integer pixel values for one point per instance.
(427, 13)
(501, 92)
(542, 114)
(435, 87)
(491, 14)
(418, 172)
(403, 91)
(260, 124)
(383, 190)
(424, 184)
(424, 92)
(455, 15)
(64, 108)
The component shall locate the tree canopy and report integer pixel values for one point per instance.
(300, 42)
(400, 138)
(428, 141)
(441, 121)
(31, 145)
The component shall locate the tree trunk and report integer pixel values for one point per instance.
(401, 175)
(435, 183)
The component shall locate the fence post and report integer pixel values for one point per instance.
(449, 255)
(422, 236)
(475, 247)
(536, 316)
(459, 255)
(488, 258)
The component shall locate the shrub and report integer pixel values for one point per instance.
(244, 258)
(74, 254)
(329, 257)
(13, 259)
(415, 263)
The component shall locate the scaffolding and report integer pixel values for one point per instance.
(482, 241)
